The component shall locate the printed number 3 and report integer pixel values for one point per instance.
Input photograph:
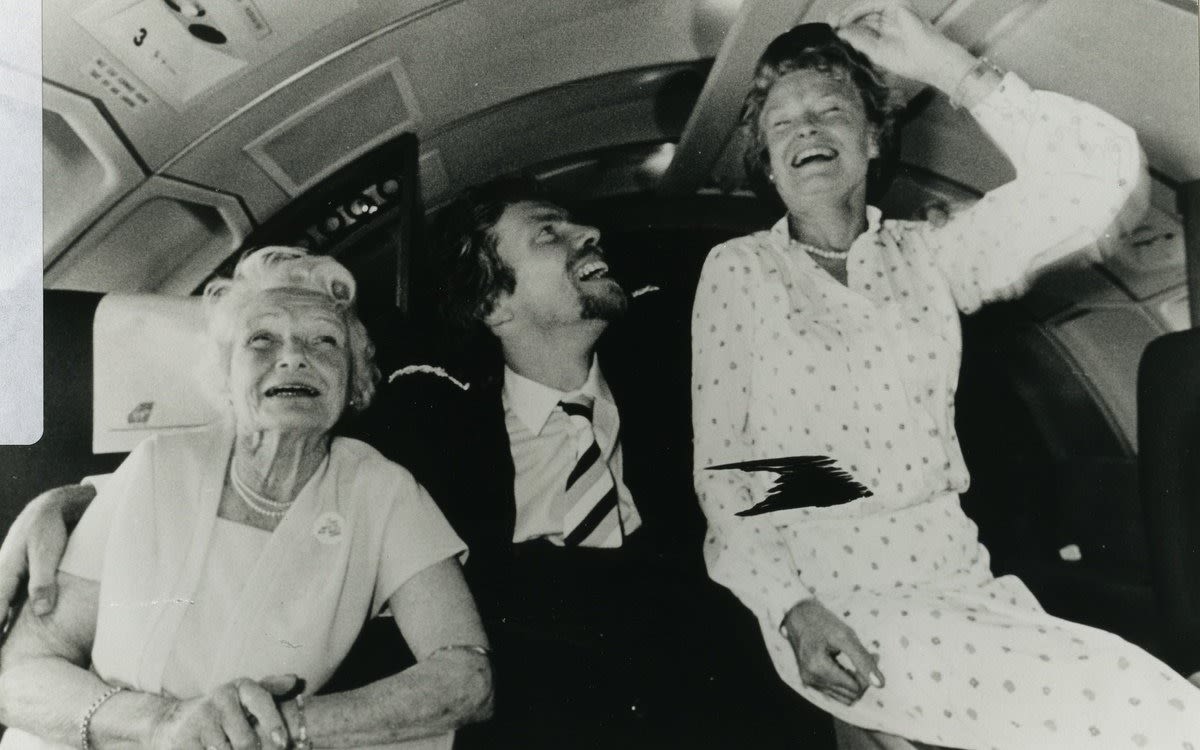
(141, 37)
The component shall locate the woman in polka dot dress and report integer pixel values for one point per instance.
(837, 333)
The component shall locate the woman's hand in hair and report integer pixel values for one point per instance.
(897, 39)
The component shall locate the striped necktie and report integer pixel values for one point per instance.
(592, 517)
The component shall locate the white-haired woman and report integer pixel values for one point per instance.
(221, 575)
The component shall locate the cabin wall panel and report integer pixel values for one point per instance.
(165, 237)
(86, 167)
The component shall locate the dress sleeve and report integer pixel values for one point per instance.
(85, 549)
(96, 481)
(1080, 179)
(746, 555)
(415, 536)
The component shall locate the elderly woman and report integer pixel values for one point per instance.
(837, 333)
(217, 567)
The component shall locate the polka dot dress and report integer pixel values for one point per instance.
(787, 361)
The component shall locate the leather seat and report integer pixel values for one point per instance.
(1169, 484)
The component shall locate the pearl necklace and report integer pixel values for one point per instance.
(256, 501)
(822, 252)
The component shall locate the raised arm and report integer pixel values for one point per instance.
(34, 546)
(449, 686)
(1080, 173)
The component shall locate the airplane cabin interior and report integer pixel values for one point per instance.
(176, 133)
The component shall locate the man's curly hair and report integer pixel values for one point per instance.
(468, 263)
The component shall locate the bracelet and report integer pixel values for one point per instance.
(981, 68)
(85, 724)
(302, 742)
(481, 650)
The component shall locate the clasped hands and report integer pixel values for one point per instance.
(243, 714)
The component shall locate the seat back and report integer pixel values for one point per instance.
(145, 379)
(64, 453)
(1169, 483)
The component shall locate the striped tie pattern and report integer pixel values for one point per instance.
(592, 517)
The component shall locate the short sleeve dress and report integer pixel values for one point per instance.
(189, 601)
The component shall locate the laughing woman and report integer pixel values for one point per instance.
(215, 567)
(837, 333)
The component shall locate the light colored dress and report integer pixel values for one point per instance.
(787, 361)
(189, 601)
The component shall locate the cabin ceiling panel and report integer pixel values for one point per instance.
(159, 130)
(480, 55)
(1150, 80)
(824, 10)
(464, 55)
(654, 102)
(341, 126)
(473, 153)
(574, 119)
(225, 159)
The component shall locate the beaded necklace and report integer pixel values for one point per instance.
(256, 501)
(822, 252)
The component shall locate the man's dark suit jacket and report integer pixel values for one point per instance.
(456, 444)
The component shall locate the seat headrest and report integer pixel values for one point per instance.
(148, 357)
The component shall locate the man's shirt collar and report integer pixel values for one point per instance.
(533, 402)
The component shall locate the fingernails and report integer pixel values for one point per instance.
(876, 680)
(277, 738)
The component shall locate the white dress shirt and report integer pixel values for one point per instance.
(544, 441)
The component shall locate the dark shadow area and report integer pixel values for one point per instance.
(1047, 471)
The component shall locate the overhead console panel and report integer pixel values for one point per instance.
(182, 49)
(346, 123)
(165, 237)
(86, 167)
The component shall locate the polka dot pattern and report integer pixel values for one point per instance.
(787, 361)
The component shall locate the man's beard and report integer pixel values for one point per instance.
(607, 305)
